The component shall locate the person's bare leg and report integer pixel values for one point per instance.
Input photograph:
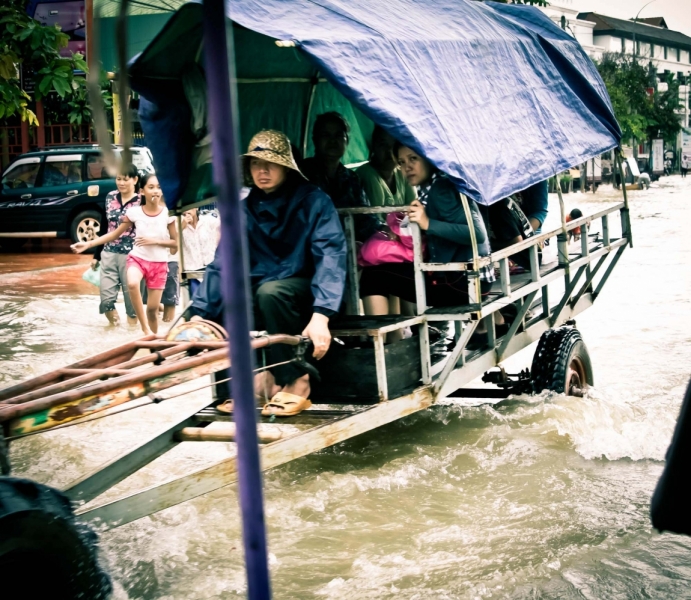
(394, 309)
(132, 320)
(134, 277)
(168, 313)
(152, 303)
(299, 387)
(113, 317)
(376, 305)
(265, 386)
(408, 309)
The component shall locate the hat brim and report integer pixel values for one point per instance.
(276, 158)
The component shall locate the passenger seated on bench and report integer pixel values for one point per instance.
(534, 203)
(330, 135)
(297, 256)
(576, 213)
(509, 225)
(439, 213)
(382, 179)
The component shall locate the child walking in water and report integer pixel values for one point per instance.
(155, 234)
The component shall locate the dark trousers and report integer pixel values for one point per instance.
(279, 307)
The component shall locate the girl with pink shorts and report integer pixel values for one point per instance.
(155, 235)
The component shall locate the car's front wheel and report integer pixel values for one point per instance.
(85, 226)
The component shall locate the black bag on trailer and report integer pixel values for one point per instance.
(670, 509)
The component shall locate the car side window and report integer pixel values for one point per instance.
(62, 170)
(95, 167)
(22, 174)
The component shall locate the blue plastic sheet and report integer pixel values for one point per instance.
(496, 96)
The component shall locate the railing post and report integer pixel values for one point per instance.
(420, 292)
(563, 237)
(353, 291)
(625, 216)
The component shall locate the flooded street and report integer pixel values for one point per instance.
(543, 497)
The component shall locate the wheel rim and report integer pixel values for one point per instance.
(575, 378)
(87, 229)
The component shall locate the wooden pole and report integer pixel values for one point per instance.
(41, 130)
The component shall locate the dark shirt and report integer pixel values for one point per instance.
(508, 222)
(346, 191)
(114, 211)
(448, 234)
(534, 201)
(292, 232)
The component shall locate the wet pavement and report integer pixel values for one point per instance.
(45, 266)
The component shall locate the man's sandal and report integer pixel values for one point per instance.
(225, 407)
(285, 404)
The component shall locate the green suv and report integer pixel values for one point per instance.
(57, 192)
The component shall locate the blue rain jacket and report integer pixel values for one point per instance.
(293, 232)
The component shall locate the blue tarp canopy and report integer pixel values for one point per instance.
(496, 96)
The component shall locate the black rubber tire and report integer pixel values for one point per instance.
(43, 550)
(85, 226)
(12, 244)
(560, 353)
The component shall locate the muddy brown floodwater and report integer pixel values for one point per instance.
(543, 497)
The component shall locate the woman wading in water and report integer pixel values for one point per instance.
(155, 233)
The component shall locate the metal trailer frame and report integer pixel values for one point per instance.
(583, 275)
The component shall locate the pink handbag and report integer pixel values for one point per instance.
(379, 249)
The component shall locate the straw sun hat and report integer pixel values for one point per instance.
(272, 146)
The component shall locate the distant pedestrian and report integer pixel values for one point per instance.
(155, 233)
(112, 257)
(200, 237)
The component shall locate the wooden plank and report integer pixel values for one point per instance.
(154, 499)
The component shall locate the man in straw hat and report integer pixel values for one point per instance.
(297, 253)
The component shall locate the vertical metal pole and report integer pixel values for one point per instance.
(421, 302)
(420, 291)
(625, 216)
(563, 237)
(474, 291)
(219, 59)
(353, 290)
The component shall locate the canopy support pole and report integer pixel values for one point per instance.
(308, 114)
(222, 98)
(625, 215)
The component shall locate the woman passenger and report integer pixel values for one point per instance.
(439, 213)
(384, 182)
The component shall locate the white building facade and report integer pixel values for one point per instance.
(669, 51)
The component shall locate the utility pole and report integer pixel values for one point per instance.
(634, 29)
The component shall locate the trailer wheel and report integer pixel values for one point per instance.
(561, 363)
(43, 549)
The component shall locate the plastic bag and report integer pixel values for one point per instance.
(93, 276)
(379, 249)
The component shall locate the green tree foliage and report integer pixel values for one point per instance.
(641, 115)
(28, 46)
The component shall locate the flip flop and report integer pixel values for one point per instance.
(285, 404)
(225, 407)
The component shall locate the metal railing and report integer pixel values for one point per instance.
(579, 271)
